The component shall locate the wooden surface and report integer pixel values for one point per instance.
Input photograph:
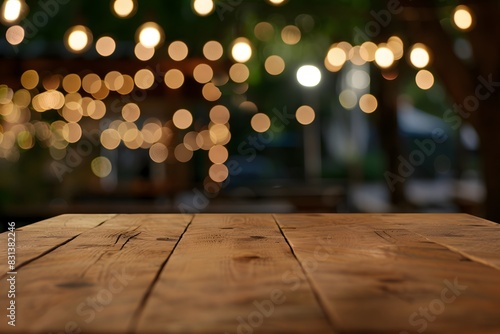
(255, 273)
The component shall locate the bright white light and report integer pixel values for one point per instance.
(203, 7)
(241, 51)
(12, 10)
(419, 56)
(276, 2)
(384, 57)
(308, 76)
(462, 17)
(78, 39)
(150, 35)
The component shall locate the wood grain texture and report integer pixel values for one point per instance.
(37, 239)
(232, 274)
(256, 273)
(375, 276)
(96, 282)
(473, 237)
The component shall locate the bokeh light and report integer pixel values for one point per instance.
(158, 152)
(30, 79)
(203, 7)
(96, 109)
(290, 35)
(276, 2)
(105, 46)
(14, 35)
(72, 132)
(174, 78)
(182, 153)
(396, 45)
(264, 31)
(218, 154)
(144, 79)
(274, 65)
(114, 80)
(305, 115)
(239, 73)
(367, 51)
(11, 10)
(424, 79)
(419, 55)
(213, 50)
(358, 79)
(211, 92)
(150, 34)
(348, 99)
(91, 83)
(462, 17)
(124, 8)
(218, 172)
(190, 142)
(219, 114)
(203, 73)
(101, 166)
(178, 50)
(131, 112)
(336, 56)
(368, 103)
(308, 76)
(241, 50)
(143, 53)
(78, 39)
(72, 83)
(384, 57)
(260, 122)
(219, 134)
(22, 98)
(128, 85)
(182, 119)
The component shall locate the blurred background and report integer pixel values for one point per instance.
(248, 106)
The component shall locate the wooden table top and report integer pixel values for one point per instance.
(254, 273)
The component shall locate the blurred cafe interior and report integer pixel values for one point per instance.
(248, 106)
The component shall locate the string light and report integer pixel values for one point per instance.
(203, 7)
(462, 17)
(78, 39)
(12, 10)
(124, 8)
(308, 76)
(419, 56)
(384, 57)
(150, 34)
(241, 50)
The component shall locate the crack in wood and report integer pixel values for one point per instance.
(315, 293)
(137, 313)
(128, 239)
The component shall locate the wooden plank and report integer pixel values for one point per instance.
(37, 239)
(232, 274)
(97, 281)
(475, 238)
(374, 277)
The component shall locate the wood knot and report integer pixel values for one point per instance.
(246, 258)
(74, 285)
(165, 239)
